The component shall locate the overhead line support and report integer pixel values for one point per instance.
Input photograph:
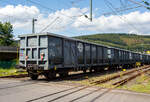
(91, 10)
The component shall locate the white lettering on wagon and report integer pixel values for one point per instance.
(80, 47)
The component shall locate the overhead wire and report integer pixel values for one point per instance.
(76, 1)
(110, 5)
(128, 5)
(61, 27)
(120, 10)
(73, 3)
(139, 4)
(82, 14)
(49, 24)
(146, 3)
(70, 17)
(83, 22)
(33, 2)
(124, 3)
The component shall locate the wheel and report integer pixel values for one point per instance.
(97, 70)
(91, 70)
(64, 74)
(50, 75)
(84, 71)
(33, 75)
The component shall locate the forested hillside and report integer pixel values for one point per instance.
(125, 41)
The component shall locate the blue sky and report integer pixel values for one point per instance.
(123, 22)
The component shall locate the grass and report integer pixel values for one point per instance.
(10, 71)
(141, 84)
(7, 68)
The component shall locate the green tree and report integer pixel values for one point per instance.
(6, 34)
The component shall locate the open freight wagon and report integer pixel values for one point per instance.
(49, 54)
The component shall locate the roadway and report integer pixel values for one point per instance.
(26, 90)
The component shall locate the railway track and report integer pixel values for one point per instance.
(70, 91)
(69, 77)
(106, 79)
(116, 84)
(99, 81)
(81, 75)
(123, 81)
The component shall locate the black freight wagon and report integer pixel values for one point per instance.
(49, 54)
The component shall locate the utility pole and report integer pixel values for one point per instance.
(91, 10)
(90, 17)
(33, 25)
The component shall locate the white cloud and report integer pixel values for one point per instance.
(134, 22)
(21, 16)
(18, 13)
(64, 19)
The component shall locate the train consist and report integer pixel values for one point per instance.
(50, 54)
